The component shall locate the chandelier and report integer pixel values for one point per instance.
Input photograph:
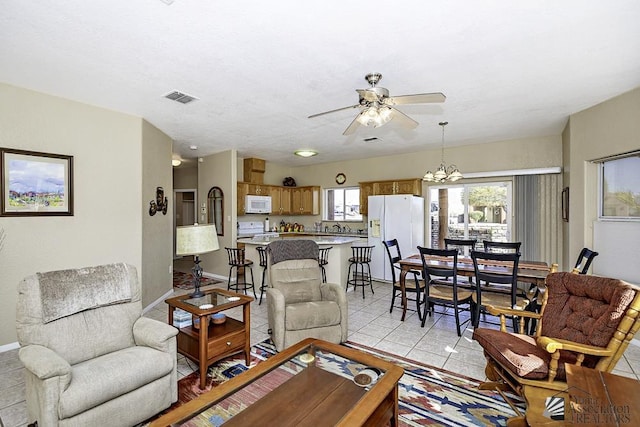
(443, 173)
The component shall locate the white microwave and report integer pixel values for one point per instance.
(257, 204)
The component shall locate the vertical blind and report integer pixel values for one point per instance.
(538, 219)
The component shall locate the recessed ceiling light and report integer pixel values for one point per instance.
(305, 153)
(193, 147)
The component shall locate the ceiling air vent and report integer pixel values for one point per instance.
(371, 139)
(180, 97)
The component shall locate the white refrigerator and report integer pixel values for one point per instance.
(398, 217)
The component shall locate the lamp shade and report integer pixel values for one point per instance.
(196, 239)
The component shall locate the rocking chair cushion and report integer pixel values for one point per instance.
(585, 309)
(519, 354)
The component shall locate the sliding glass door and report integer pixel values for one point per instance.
(470, 211)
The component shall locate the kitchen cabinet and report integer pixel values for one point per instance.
(243, 190)
(280, 200)
(305, 200)
(258, 189)
(366, 190)
(384, 188)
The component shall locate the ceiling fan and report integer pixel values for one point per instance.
(377, 107)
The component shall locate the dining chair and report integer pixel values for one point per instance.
(463, 246)
(415, 287)
(496, 283)
(584, 260)
(441, 284)
(501, 247)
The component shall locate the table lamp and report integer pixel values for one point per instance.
(195, 240)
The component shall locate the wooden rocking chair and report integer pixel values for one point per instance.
(584, 320)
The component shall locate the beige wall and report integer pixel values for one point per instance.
(185, 178)
(609, 128)
(515, 154)
(157, 230)
(107, 224)
(220, 170)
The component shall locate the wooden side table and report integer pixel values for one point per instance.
(210, 342)
(601, 398)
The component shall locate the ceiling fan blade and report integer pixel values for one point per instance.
(369, 95)
(403, 119)
(333, 111)
(418, 98)
(353, 126)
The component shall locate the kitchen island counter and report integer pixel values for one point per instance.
(338, 256)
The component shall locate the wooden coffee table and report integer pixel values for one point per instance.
(209, 343)
(311, 383)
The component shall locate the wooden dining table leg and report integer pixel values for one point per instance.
(403, 291)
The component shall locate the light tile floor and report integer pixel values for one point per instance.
(370, 324)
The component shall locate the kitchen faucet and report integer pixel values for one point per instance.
(337, 226)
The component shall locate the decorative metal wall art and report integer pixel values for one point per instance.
(160, 204)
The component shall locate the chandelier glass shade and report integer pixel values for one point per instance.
(443, 173)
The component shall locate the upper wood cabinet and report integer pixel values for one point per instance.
(305, 200)
(366, 190)
(243, 190)
(379, 188)
(280, 200)
(258, 189)
(284, 200)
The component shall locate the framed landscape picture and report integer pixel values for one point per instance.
(35, 184)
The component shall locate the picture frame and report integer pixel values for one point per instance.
(35, 184)
(565, 204)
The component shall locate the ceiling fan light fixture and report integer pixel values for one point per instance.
(385, 114)
(305, 153)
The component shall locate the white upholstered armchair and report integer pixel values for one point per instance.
(90, 358)
(299, 305)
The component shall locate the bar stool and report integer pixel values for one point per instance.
(361, 257)
(262, 251)
(323, 259)
(238, 261)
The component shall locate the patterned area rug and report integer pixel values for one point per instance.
(185, 280)
(428, 395)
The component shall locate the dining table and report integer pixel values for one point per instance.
(533, 272)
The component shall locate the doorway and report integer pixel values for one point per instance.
(184, 212)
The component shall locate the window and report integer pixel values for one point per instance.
(620, 188)
(470, 211)
(342, 204)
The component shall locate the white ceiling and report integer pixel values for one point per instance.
(510, 69)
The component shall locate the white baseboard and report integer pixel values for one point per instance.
(158, 301)
(10, 346)
(215, 276)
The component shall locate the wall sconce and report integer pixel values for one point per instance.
(160, 204)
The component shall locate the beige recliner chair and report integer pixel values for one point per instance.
(299, 305)
(90, 358)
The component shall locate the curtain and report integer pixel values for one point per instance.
(538, 217)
